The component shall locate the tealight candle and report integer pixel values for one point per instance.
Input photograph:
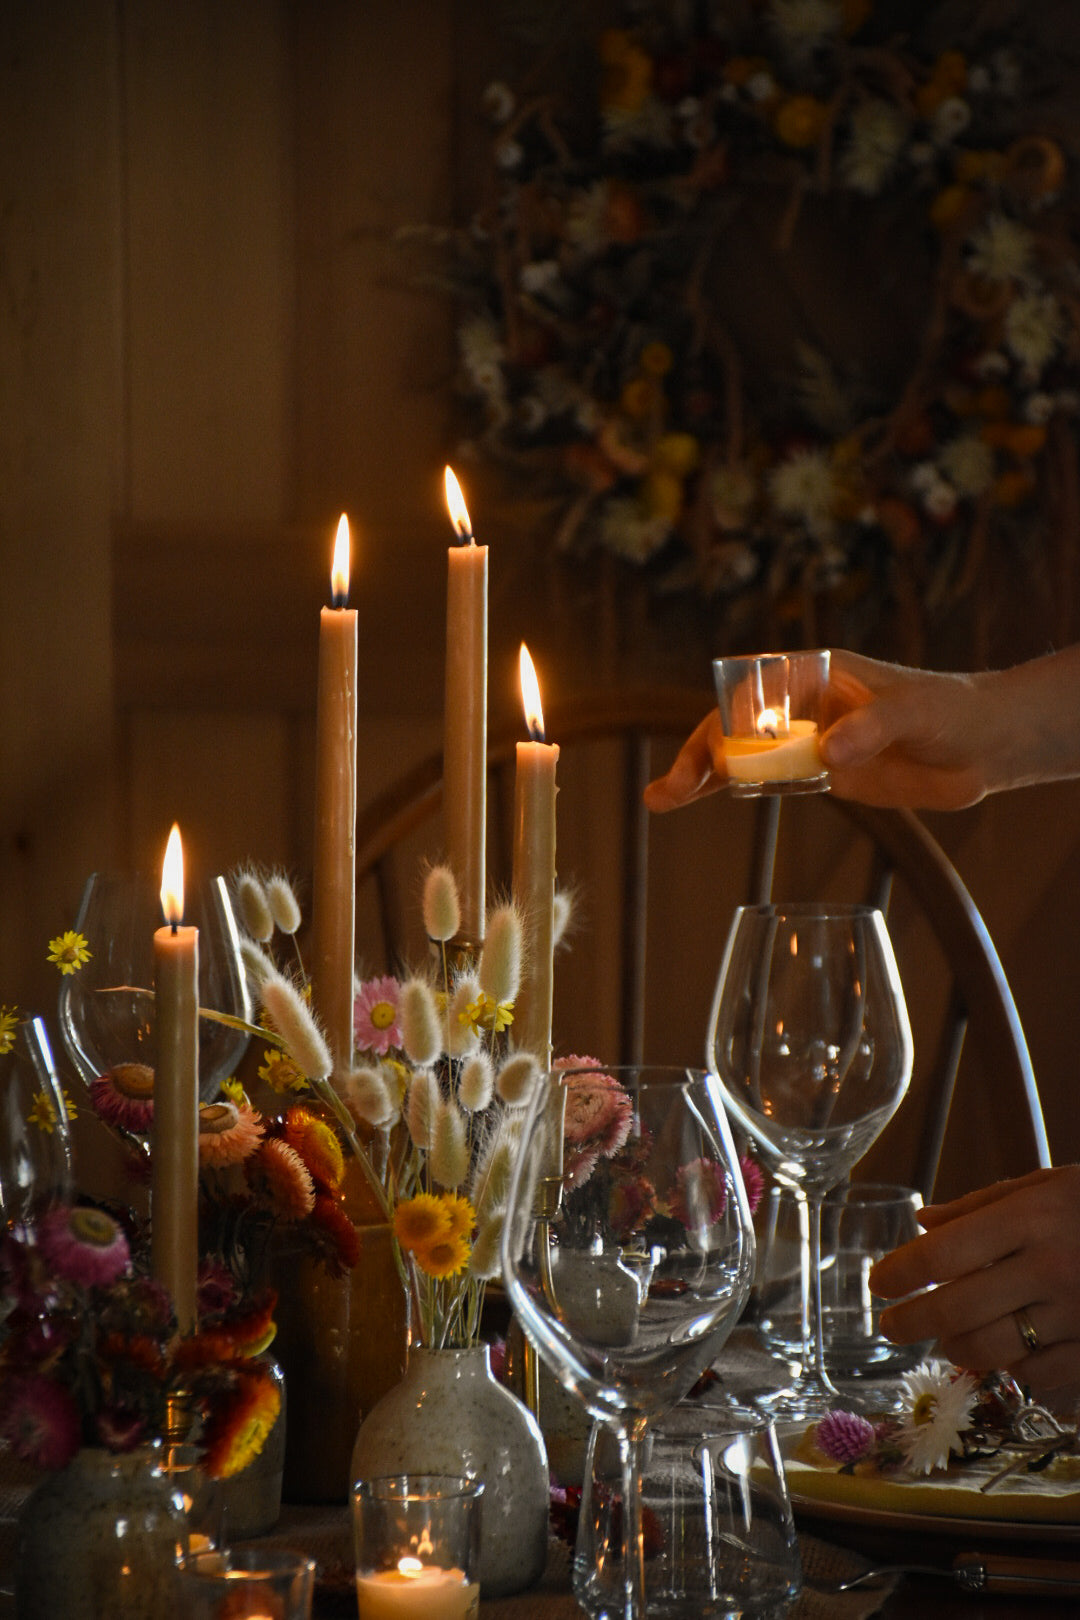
(416, 1591)
(770, 707)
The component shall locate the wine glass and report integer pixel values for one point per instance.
(107, 1007)
(628, 1249)
(810, 1035)
(35, 1138)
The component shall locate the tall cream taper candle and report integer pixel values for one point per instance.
(333, 904)
(465, 732)
(534, 872)
(174, 1195)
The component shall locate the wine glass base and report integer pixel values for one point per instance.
(799, 1403)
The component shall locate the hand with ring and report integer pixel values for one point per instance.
(996, 1281)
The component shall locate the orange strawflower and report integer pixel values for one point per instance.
(330, 1215)
(318, 1145)
(278, 1175)
(237, 1431)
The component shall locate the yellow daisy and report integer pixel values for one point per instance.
(444, 1256)
(69, 951)
(9, 1023)
(280, 1073)
(42, 1113)
(461, 1214)
(421, 1220)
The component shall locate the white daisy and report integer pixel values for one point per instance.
(631, 532)
(804, 487)
(1034, 326)
(968, 464)
(938, 1403)
(802, 26)
(876, 135)
(1002, 249)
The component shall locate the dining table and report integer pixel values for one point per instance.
(833, 1547)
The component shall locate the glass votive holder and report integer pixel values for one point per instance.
(860, 1222)
(253, 1582)
(718, 1533)
(771, 713)
(417, 1541)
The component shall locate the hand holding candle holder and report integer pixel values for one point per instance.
(417, 1543)
(771, 712)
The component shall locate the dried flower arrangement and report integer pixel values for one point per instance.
(597, 362)
(90, 1353)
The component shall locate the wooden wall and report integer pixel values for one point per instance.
(207, 351)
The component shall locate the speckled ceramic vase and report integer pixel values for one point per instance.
(449, 1415)
(99, 1541)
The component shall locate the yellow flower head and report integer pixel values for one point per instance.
(800, 120)
(238, 1433)
(280, 1072)
(444, 1256)
(485, 1013)
(9, 1023)
(43, 1113)
(421, 1221)
(69, 951)
(232, 1090)
(461, 1214)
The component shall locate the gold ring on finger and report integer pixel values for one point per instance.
(1027, 1330)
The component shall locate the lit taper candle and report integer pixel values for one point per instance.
(465, 731)
(534, 871)
(333, 903)
(174, 1196)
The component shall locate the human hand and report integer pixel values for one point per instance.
(1011, 1247)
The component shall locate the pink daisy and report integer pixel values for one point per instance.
(700, 1194)
(375, 1015)
(84, 1245)
(124, 1097)
(41, 1421)
(228, 1132)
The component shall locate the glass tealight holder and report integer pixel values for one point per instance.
(771, 711)
(262, 1583)
(417, 1540)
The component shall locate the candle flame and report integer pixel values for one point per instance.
(339, 569)
(410, 1566)
(455, 503)
(530, 696)
(772, 723)
(172, 878)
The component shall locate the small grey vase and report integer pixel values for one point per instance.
(449, 1415)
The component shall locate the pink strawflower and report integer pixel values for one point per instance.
(599, 1112)
(229, 1133)
(578, 1167)
(83, 1245)
(633, 1200)
(845, 1437)
(124, 1098)
(217, 1290)
(375, 1015)
(41, 1421)
(753, 1181)
(120, 1429)
(699, 1197)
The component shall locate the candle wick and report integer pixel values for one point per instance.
(536, 733)
(339, 599)
(174, 927)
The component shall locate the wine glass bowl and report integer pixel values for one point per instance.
(811, 1040)
(35, 1139)
(107, 1007)
(628, 1247)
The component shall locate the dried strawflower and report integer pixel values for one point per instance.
(278, 1175)
(124, 1097)
(318, 1145)
(69, 951)
(940, 1400)
(421, 1220)
(9, 1023)
(84, 1245)
(376, 1025)
(229, 1133)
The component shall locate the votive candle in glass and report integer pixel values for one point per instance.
(417, 1539)
(771, 711)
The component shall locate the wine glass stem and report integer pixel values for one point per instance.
(814, 1219)
(631, 1432)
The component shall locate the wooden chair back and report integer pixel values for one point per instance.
(633, 734)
